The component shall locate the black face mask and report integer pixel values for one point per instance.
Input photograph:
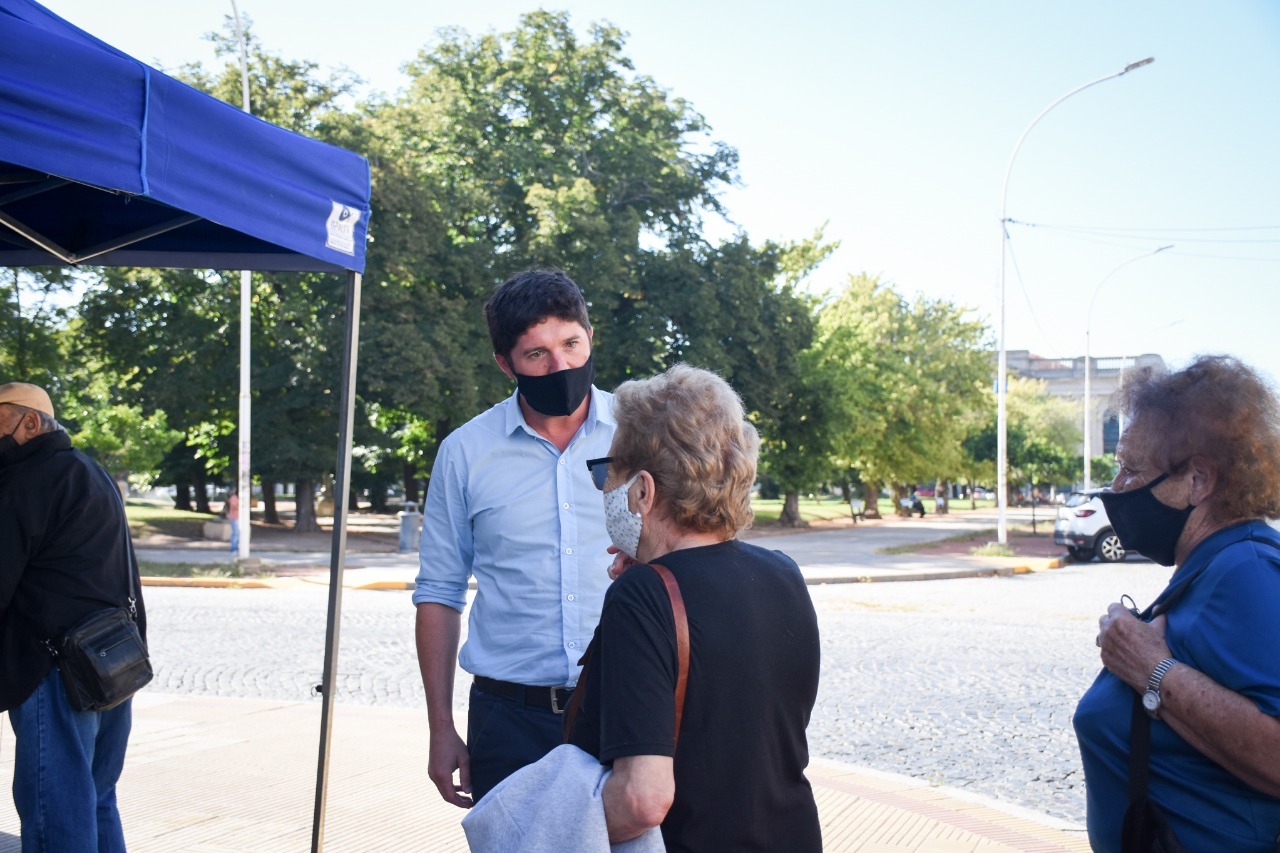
(8, 442)
(1144, 524)
(560, 393)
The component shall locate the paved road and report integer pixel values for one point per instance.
(969, 683)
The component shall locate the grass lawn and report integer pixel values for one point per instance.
(190, 570)
(832, 508)
(159, 517)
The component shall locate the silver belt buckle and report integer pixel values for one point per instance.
(555, 704)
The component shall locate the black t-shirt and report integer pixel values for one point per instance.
(753, 679)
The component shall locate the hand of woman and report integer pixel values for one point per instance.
(1131, 648)
(621, 562)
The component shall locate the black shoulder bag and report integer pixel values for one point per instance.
(103, 659)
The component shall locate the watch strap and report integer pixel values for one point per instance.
(1153, 687)
(1158, 674)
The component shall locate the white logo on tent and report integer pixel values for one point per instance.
(341, 229)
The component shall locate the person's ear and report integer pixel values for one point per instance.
(504, 365)
(1203, 479)
(29, 424)
(642, 497)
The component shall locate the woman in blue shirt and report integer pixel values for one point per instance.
(1199, 473)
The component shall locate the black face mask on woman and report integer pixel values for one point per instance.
(560, 393)
(1144, 524)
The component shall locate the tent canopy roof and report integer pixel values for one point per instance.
(106, 161)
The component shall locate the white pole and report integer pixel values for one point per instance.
(1088, 414)
(1002, 361)
(1088, 325)
(244, 482)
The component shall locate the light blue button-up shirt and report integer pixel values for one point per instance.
(505, 506)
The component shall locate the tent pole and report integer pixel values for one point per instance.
(337, 561)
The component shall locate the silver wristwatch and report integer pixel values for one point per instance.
(1151, 699)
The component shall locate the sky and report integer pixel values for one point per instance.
(893, 125)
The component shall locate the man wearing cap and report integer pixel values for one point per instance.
(64, 553)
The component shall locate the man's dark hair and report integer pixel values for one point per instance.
(525, 300)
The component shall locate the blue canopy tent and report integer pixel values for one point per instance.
(108, 162)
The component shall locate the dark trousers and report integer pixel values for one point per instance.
(503, 736)
(65, 768)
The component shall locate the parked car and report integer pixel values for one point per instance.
(1082, 525)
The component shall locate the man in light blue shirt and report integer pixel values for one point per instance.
(511, 503)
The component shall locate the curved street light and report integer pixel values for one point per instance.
(1002, 361)
(1088, 325)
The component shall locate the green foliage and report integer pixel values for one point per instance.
(1043, 435)
(897, 379)
(534, 147)
(31, 314)
(1103, 469)
(123, 439)
(537, 148)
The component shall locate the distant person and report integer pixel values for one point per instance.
(233, 516)
(512, 505)
(64, 553)
(1199, 474)
(677, 489)
(917, 505)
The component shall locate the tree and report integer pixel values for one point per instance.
(529, 148)
(31, 314)
(901, 377)
(1042, 432)
(123, 439)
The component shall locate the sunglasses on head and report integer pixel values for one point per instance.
(599, 469)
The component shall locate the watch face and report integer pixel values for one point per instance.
(1151, 700)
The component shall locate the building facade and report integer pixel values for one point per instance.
(1065, 378)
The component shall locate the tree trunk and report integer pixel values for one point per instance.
(353, 500)
(899, 494)
(306, 513)
(871, 496)
(202, 493)
(378, 500)
(269, 512)
(182, 496)
(790, 516)
(410, 483)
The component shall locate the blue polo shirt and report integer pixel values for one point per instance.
(1227, 625)
(506, 507)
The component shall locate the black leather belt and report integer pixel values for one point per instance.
(553, 699)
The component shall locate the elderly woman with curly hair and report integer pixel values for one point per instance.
(1199, 474)
(677, 489)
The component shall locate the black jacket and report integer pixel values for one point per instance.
(63, 555)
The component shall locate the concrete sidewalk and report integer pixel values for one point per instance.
(837, 554)
(210, 775)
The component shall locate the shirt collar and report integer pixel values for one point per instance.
(600, 412)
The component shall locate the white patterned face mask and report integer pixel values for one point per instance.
(623, 524)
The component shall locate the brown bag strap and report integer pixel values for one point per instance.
(682, 639)
(682, 656)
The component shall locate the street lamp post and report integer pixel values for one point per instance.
(243, 478)
(1002, 360)
(1088, 325)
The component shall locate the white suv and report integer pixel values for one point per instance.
(1084, 528)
